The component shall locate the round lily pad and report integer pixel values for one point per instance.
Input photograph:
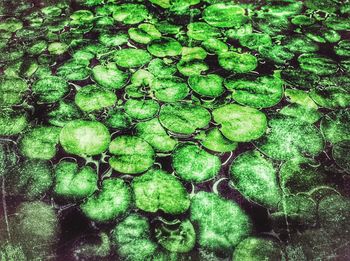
(343, 48)
(72, 182)
(299, 78)
(182, 239)
(11, 91)
(277, 53)
(161, 69)
(165, 46)
(331, 97)
(290, 138)
(239, 123)
(214, 140)
(111, 202)
(130, 13)
(303, 113)
(213, 45)
(201, 31)
(141, 109)
(74, 70)
(317, 64)
(11, 24)
(256, 249)
(341, 154)
(30, 180)
(144, 33)
(117, 39)
(84, 138)
(194, 164)
(118, 119)
(299, 175)
(258, 92)
(157, 190)
(131, 155)
(193, 53)
(109, 76)
(92, 98)
(210, 85)
(335, 126)
(169, 89)
(224, 15)
(154, 133)
(222, 224)
(129, 58)
(40, 142)
(50, 89)
(192, 67)
(11, 122)
(255, 177)
(183, 118)
(64, 113)
(81, 17)
(238, 62)
(255, 41)
(57, 48)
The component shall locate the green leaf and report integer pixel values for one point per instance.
(194, 164)
(240, 124)
(131, 155)
(157, 190)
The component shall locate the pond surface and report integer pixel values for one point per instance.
(175, 130)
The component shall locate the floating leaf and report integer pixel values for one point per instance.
(258, 92)
(222, 224)
(317, 64)
(72, 182)
(290, 138)
(165, 46)
(12, 123)
(84, 138)
(157, 190)
(109, 76)
(112, 201)
(194, 164)
(131, 155)
(130, 13)
(183, 118)
(335, 126)
(170, 89)
(154, 133)
(92, 98)
(141, 109)
(341, 154)
(40, 142)
(50, 89)
(129, 58)
(255, 177)
(215, 141)
(238, 63)
(224, 15)
(255, 249)
(201, 31)
(240, 124)
(180, 240)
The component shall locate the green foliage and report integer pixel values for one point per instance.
(84, 138)
(131, 155)
(167, 120)
(157, 190)
(111, 202)
(221, 223)
(74, 182)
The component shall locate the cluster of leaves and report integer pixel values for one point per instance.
(163, 122)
